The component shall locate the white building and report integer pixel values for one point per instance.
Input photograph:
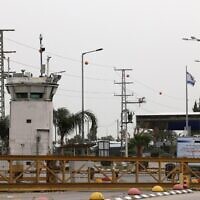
(31, 113)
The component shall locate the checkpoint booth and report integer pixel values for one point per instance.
(186, 146)
(173, 121)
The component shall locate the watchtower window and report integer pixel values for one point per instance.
(28, 121)
(22, 95)
(36, 95)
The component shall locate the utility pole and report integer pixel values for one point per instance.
(2, 73)
(118, 137)
(126, 116)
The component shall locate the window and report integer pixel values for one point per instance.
(22, 95)
(36, 95)
(28, 121)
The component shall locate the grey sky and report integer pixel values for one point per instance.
(144, 35)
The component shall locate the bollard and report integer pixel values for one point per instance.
(186, 181)
(134, 191)
(157, 188)
(96, 196)
(178, 187)
(98, 180)
(42, 198)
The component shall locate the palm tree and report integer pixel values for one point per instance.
(140, 141)
(67, 122)
(64, 121)
(90, 118)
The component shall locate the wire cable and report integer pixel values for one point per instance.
(57, 55)
(91, 78)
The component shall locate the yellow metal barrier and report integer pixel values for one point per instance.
(30, 173)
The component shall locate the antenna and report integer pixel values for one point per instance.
(42, 49)
(48, 59)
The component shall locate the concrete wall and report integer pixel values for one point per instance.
(29, 121)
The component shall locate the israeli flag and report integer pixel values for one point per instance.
(190, 79)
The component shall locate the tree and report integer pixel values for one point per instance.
(75, 139)
(64, 121)
(4, 130)
(139, 141)
(67, 122)
(109, 137)
(92, 120)
(92, 135)
(196, 107)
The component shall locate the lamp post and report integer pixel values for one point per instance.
(192, 38)
(82, 65)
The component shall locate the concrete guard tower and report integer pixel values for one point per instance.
(31, 113)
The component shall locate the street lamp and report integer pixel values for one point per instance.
(82, 65)
(192, 38)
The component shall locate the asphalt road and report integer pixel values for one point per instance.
(194, 196)
(69, 195)
(72, 195)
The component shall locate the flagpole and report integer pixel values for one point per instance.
(186, 120)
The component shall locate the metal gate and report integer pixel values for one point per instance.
(32, 173)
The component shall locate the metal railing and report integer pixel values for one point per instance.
(62, 173)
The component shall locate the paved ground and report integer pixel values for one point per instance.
(72, 195)
(190, 196)
(69, 195)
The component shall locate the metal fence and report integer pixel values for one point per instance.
(63, 173)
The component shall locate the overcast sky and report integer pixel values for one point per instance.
(144, 35)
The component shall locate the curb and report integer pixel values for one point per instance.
(155, 194)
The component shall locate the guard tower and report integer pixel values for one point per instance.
(31, 113)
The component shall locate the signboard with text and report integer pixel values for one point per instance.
(188, 147)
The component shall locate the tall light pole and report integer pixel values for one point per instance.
(192, 38)
(82, 65)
